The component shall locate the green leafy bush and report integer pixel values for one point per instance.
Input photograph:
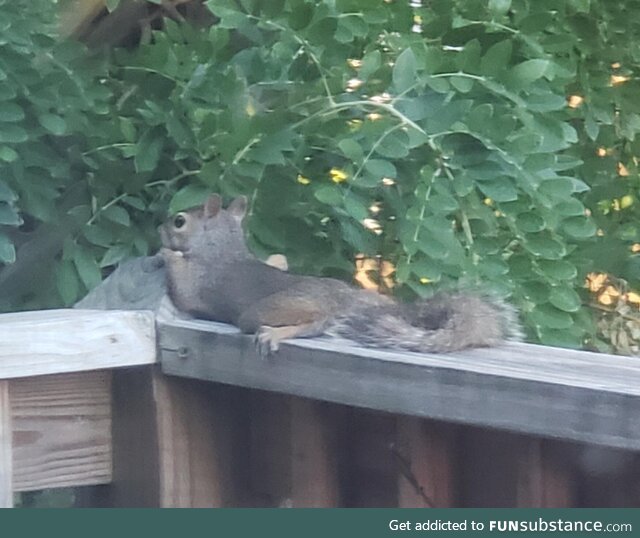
(434, 135)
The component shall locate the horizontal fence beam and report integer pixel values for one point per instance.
(537, 390)
(62, 341)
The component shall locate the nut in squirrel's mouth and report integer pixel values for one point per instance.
(172, 252)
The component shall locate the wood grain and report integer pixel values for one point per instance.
(316, 429)
(61, 430)
(6, 461)
(59, 341)
(426, 458)
(523, 388)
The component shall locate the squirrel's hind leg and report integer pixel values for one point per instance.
(268, 338)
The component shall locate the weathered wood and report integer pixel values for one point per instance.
(544, 477)
(61, 341)
(136, 467)
(176, 443)
(425, 453)
(195, 432)
(489, 472)
(316, 428)
(61, 430)
(371, 464)
(525, 388)
(6, 459)
(270, 448)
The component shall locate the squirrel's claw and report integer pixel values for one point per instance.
(267, 341)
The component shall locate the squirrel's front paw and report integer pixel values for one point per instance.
(267, 341)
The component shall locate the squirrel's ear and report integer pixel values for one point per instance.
(238, 207)
(212, 206)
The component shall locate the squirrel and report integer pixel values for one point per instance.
(211, 274)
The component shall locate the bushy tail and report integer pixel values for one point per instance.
(446, 322)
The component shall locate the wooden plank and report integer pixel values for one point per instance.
(425, 454)
(545, 478)
(61, 430)
(316, 428)
(6, 460)
(196, 446)
(524, 388)
(136, 467)
(60, 341)
(270, 448)
(371, 464)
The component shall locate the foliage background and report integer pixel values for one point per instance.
(491, 143)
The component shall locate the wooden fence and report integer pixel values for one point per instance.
(85, 400)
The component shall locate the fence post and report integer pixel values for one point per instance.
(424, 454)
(6, 463)
(315, 430)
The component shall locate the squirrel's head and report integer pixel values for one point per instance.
(207, 228)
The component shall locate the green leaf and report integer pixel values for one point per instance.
(355, 208)
(115, 254)
(530, 222)
(67, 282)
(87, 268)
(405, 71)
(500, 190)
(570, 208)
(329, 194)
(10, 133)
(549, 316)
(536, 292)
(393, 146)
(9, 216)
(7, 250)
(557, 269)
(11, 112)
(351, 150)
(270, 149)
(523, 74)
(6, 194)
(371, 62)
(148, 151)
(496, 58)
(462, 84)
(565, 298)
(579, 227)
(98, 235)
(190, 196)
(499, 7)
(380, 168)
(545, 247)
(112, 5)
(8, 154)
(117, 214)
(53, 123)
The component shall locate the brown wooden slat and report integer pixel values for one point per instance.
(61, 430)
(316, 430)
(426, 458)
(549, 392)
(6, 489)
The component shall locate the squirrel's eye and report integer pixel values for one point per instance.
(179, 221)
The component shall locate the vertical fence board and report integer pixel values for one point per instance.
(316, 434)
(425, 454)
(545, 479)
(371, 467)
(6, 473)
(197, 433)
(270, 445)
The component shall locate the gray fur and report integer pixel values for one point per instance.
(444, 323)
(212, 275)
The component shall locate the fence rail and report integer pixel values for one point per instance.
(321, 423)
